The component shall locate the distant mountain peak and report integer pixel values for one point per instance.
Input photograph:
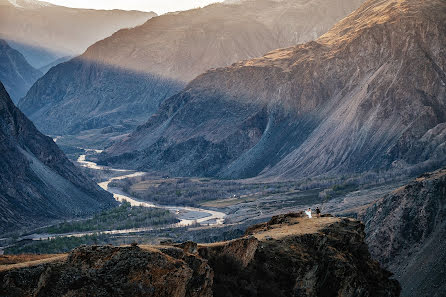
(27, 4)
(44, 32)
(15, 71)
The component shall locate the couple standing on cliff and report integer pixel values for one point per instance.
(308, 212)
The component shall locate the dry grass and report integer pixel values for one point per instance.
(296, 226)
(21, 261)
(14, 259)
(300, 226)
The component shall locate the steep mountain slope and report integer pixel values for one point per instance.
(369, 94)
(44, 32)
(37, 182)
(292, 257)
(406, 232)
(122, 79)
(15, 72)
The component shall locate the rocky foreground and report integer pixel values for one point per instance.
(288, 256)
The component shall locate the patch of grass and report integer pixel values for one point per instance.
(122, 217)
(15, 259)
(56, 245)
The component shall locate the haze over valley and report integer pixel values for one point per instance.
(243, 148)
(44, 32)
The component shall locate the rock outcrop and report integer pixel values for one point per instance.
(370, 94)
(406, 233)
(299, 257)
(121, 80)
(15, 72)
(37, 182)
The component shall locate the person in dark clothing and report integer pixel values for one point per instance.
(318, 212)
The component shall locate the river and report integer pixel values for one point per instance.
(187, 215)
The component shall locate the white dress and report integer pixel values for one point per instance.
(308, 212)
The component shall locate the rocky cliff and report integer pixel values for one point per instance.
(290, 256)
(370, 94)
(15, 72)
(37, 182)
(406, 233)
(120, 81)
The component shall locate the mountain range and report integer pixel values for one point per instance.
(44, 32)
(224, 92)
(121, 80)
(37, 182)
(370, 94)
(15, 72)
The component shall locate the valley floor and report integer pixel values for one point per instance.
(208, 210)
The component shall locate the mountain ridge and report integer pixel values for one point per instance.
(347, 102)
(45, 32)
(145, 65)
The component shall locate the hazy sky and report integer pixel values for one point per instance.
(158, 6)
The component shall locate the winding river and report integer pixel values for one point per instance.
(187, 215)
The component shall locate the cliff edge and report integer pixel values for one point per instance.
(288, 256)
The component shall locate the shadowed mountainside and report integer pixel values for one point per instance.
(15, 72)
(290, 256)
(127, 75)
(406, 233)
(369, 94)
(44, 32)
(44, 69)
(37, 182)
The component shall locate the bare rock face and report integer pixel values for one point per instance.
(113, 271)
(300, 257)
(327, 258)
(406, 233)
(370, 94)
(121, 80)
(37, 182)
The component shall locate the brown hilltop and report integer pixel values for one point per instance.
(294, 256)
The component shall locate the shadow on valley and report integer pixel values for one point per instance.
(112, 99)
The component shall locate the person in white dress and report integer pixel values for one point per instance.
(308, 213)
